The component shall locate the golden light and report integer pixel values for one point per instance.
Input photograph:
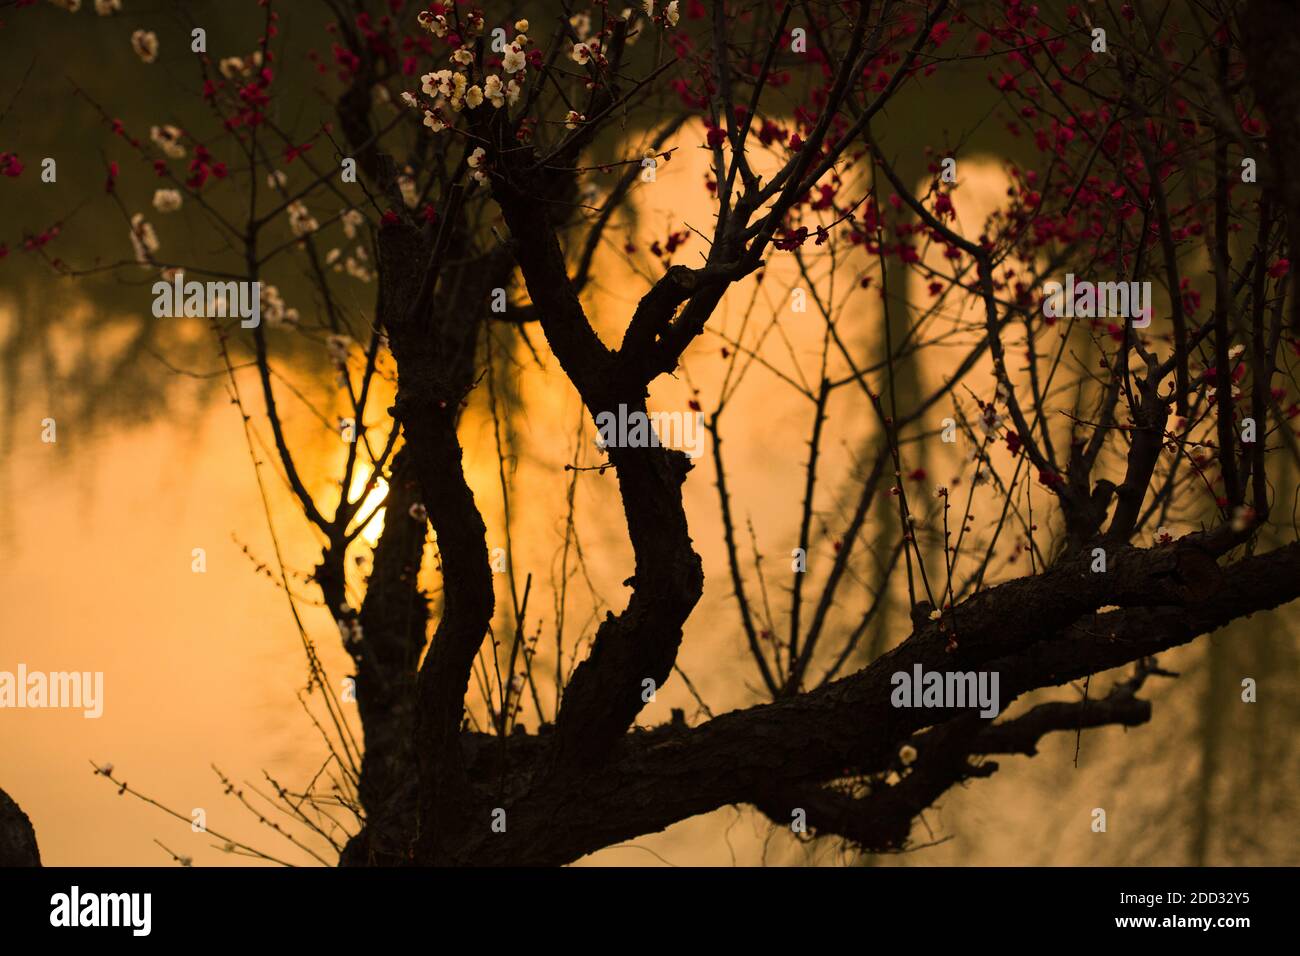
(375, 526)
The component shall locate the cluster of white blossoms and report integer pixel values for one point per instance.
(355, 264)
(350, 631)
(274, 311)
(145, 44)
(168, 139)
(475, 162)
(167, 200)
(352, 219)
(143, 239)
(451, 89)
(301, 221)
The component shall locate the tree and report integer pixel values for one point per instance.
(493, 169)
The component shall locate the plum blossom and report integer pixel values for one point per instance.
(437, 83)
(168, 139)
(145, 44)
(301, 222)
(434, 23)
(273, 308)
(573, 118)
(352, 220)
(167, 200)
(513, 60)
(671, 14)
(143, 239)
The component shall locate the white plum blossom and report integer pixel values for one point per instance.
(355, 266)
(513, 60)
(649, 7)
(277, 179)
(143, 239)
(521, 26)
(473, 97)
(437, 83)
(581, 53)
(573, 118)
(475, 162)
(494, 91)
(167, 200)
(168, 139)
(418, 512)
(432, 121)
(301, 222)
(409, 99)
(464, 56)
(273, 308)
(145, 44)
(581, 23)
(671, 14)
(513, 89)
(435, 24)
(106, 8)
(907, 754)
(352, 220)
